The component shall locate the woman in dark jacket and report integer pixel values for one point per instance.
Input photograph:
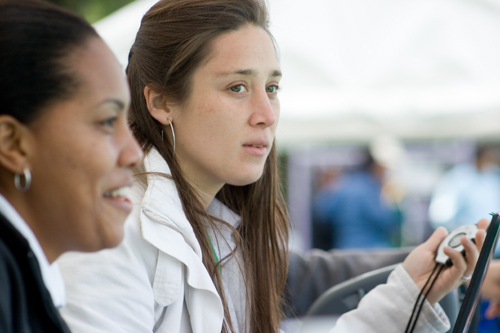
(66, 154)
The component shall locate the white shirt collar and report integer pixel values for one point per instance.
(50, 272)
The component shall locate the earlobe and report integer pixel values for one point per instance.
(13, 152)
(157, 105)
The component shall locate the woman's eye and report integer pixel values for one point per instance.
(272, 89)
(238, 88)
(110, 122)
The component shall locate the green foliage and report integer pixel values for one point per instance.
(91, 10)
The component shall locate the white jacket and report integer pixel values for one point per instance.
(155, 281)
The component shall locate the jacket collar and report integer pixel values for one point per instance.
(162, 203)
(50, 272)
(165, 226)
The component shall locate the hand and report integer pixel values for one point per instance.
(491, 289)
(491, 284)
(420, 262)
(493, 310)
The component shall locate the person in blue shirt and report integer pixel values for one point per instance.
(357, 210)
(468, 192)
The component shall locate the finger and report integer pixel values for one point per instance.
(479, 239)
(457, 259)
(483, 224)
(471, 254)
(436, 238)
(492, 311)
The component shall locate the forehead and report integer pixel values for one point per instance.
(99, 78)
(249, 48)
(97, 70)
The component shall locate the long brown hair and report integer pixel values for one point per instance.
(172, 42)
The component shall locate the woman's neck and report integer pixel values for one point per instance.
(205, 193)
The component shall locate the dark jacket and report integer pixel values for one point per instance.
(25, 303)
(312, 273)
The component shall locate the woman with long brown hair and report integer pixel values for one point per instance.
(204, 78)
(205, 249)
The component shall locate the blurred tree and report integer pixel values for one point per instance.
(92, 10)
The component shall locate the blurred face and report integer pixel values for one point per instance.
(226, 129)
(81, 158)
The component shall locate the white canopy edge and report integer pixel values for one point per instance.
(357, 68)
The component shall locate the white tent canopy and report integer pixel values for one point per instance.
(357, 68)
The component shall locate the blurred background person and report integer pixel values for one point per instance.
(468, 192)
(66, 154)
(361, 205)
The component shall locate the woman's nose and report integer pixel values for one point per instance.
(266, 111)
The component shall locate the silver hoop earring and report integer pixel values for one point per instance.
(27, 180)
(173, 133)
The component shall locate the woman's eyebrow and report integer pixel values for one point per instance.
(249, 72)
(119, 103)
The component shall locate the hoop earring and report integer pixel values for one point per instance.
(173, 133)
(27, 180)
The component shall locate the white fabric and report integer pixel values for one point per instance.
(232, 278)
(387, 308)
(155, 280)
(50, 272)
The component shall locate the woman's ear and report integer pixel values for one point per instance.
(157, 105)
(13, 144)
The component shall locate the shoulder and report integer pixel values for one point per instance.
(11, 250)
(11, 283)
(8, 265)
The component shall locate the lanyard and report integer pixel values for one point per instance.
(213, 250)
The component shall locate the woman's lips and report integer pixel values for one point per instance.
(120, 198)
(256, 149)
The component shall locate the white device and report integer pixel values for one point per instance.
(453, 241)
